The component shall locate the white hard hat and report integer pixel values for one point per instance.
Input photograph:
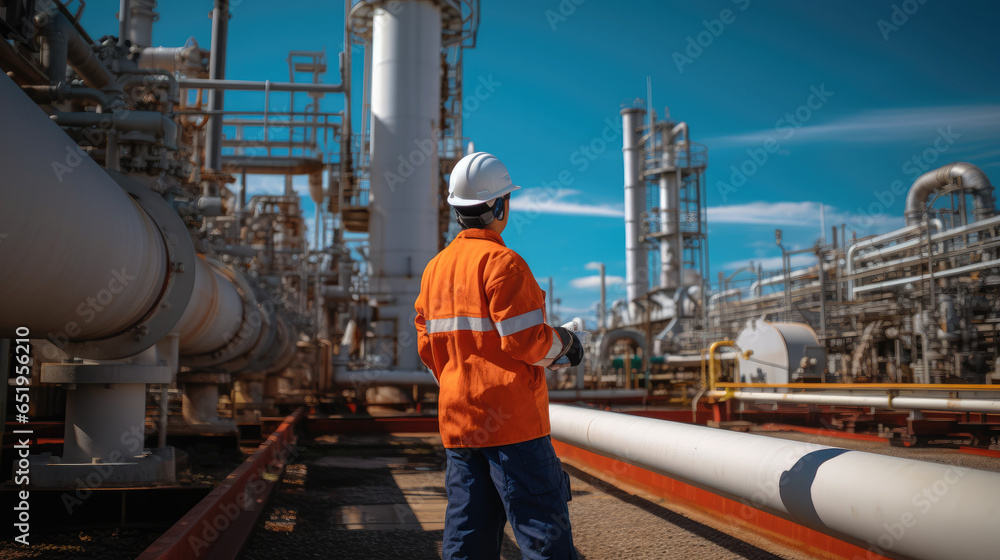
(478, 178)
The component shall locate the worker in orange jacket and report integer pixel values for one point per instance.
(481, 330)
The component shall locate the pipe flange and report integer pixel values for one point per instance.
(163, 316)
(280, 353)
(268, 330)
(246, 337)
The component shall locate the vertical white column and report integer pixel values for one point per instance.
(405, 108)
(636, 274)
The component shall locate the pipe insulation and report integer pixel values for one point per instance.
(81, 259)
(896, 507)
(961, 176)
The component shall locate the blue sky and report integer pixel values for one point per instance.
(904, 86)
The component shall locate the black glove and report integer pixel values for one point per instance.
(572, 348)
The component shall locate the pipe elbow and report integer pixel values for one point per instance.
(957, 175)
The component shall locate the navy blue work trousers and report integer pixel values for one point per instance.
(522, 483)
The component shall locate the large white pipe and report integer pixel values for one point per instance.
(403, 208)
(884, 504)
(80, 259)
(636, 274)
(213, 315)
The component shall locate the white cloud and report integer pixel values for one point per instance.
(775, 213)
(879, 125)
(540, 201)
(802, 214)
(591, 282)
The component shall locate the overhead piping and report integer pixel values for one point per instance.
(216, 73)
(961, 176)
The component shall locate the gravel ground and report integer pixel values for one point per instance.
(610, 523)
(110, 544)
(337, 473)
(930, 454)
(394, 491)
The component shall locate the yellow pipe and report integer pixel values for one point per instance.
(712, 372)
(872, 386)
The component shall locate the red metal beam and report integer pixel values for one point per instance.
(978, 451)
(723, 510)
(219, 525)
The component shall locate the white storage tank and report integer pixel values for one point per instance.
(779, 353)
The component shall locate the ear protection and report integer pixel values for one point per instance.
(501, 206)
(495, 213)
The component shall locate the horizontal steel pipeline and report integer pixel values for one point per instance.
(895, 507)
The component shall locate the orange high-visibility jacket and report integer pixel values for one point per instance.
(480, 329)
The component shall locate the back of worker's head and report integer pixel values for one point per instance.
(479, 189)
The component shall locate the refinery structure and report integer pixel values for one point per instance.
(162, 301)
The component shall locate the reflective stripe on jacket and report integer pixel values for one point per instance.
(481, 328)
